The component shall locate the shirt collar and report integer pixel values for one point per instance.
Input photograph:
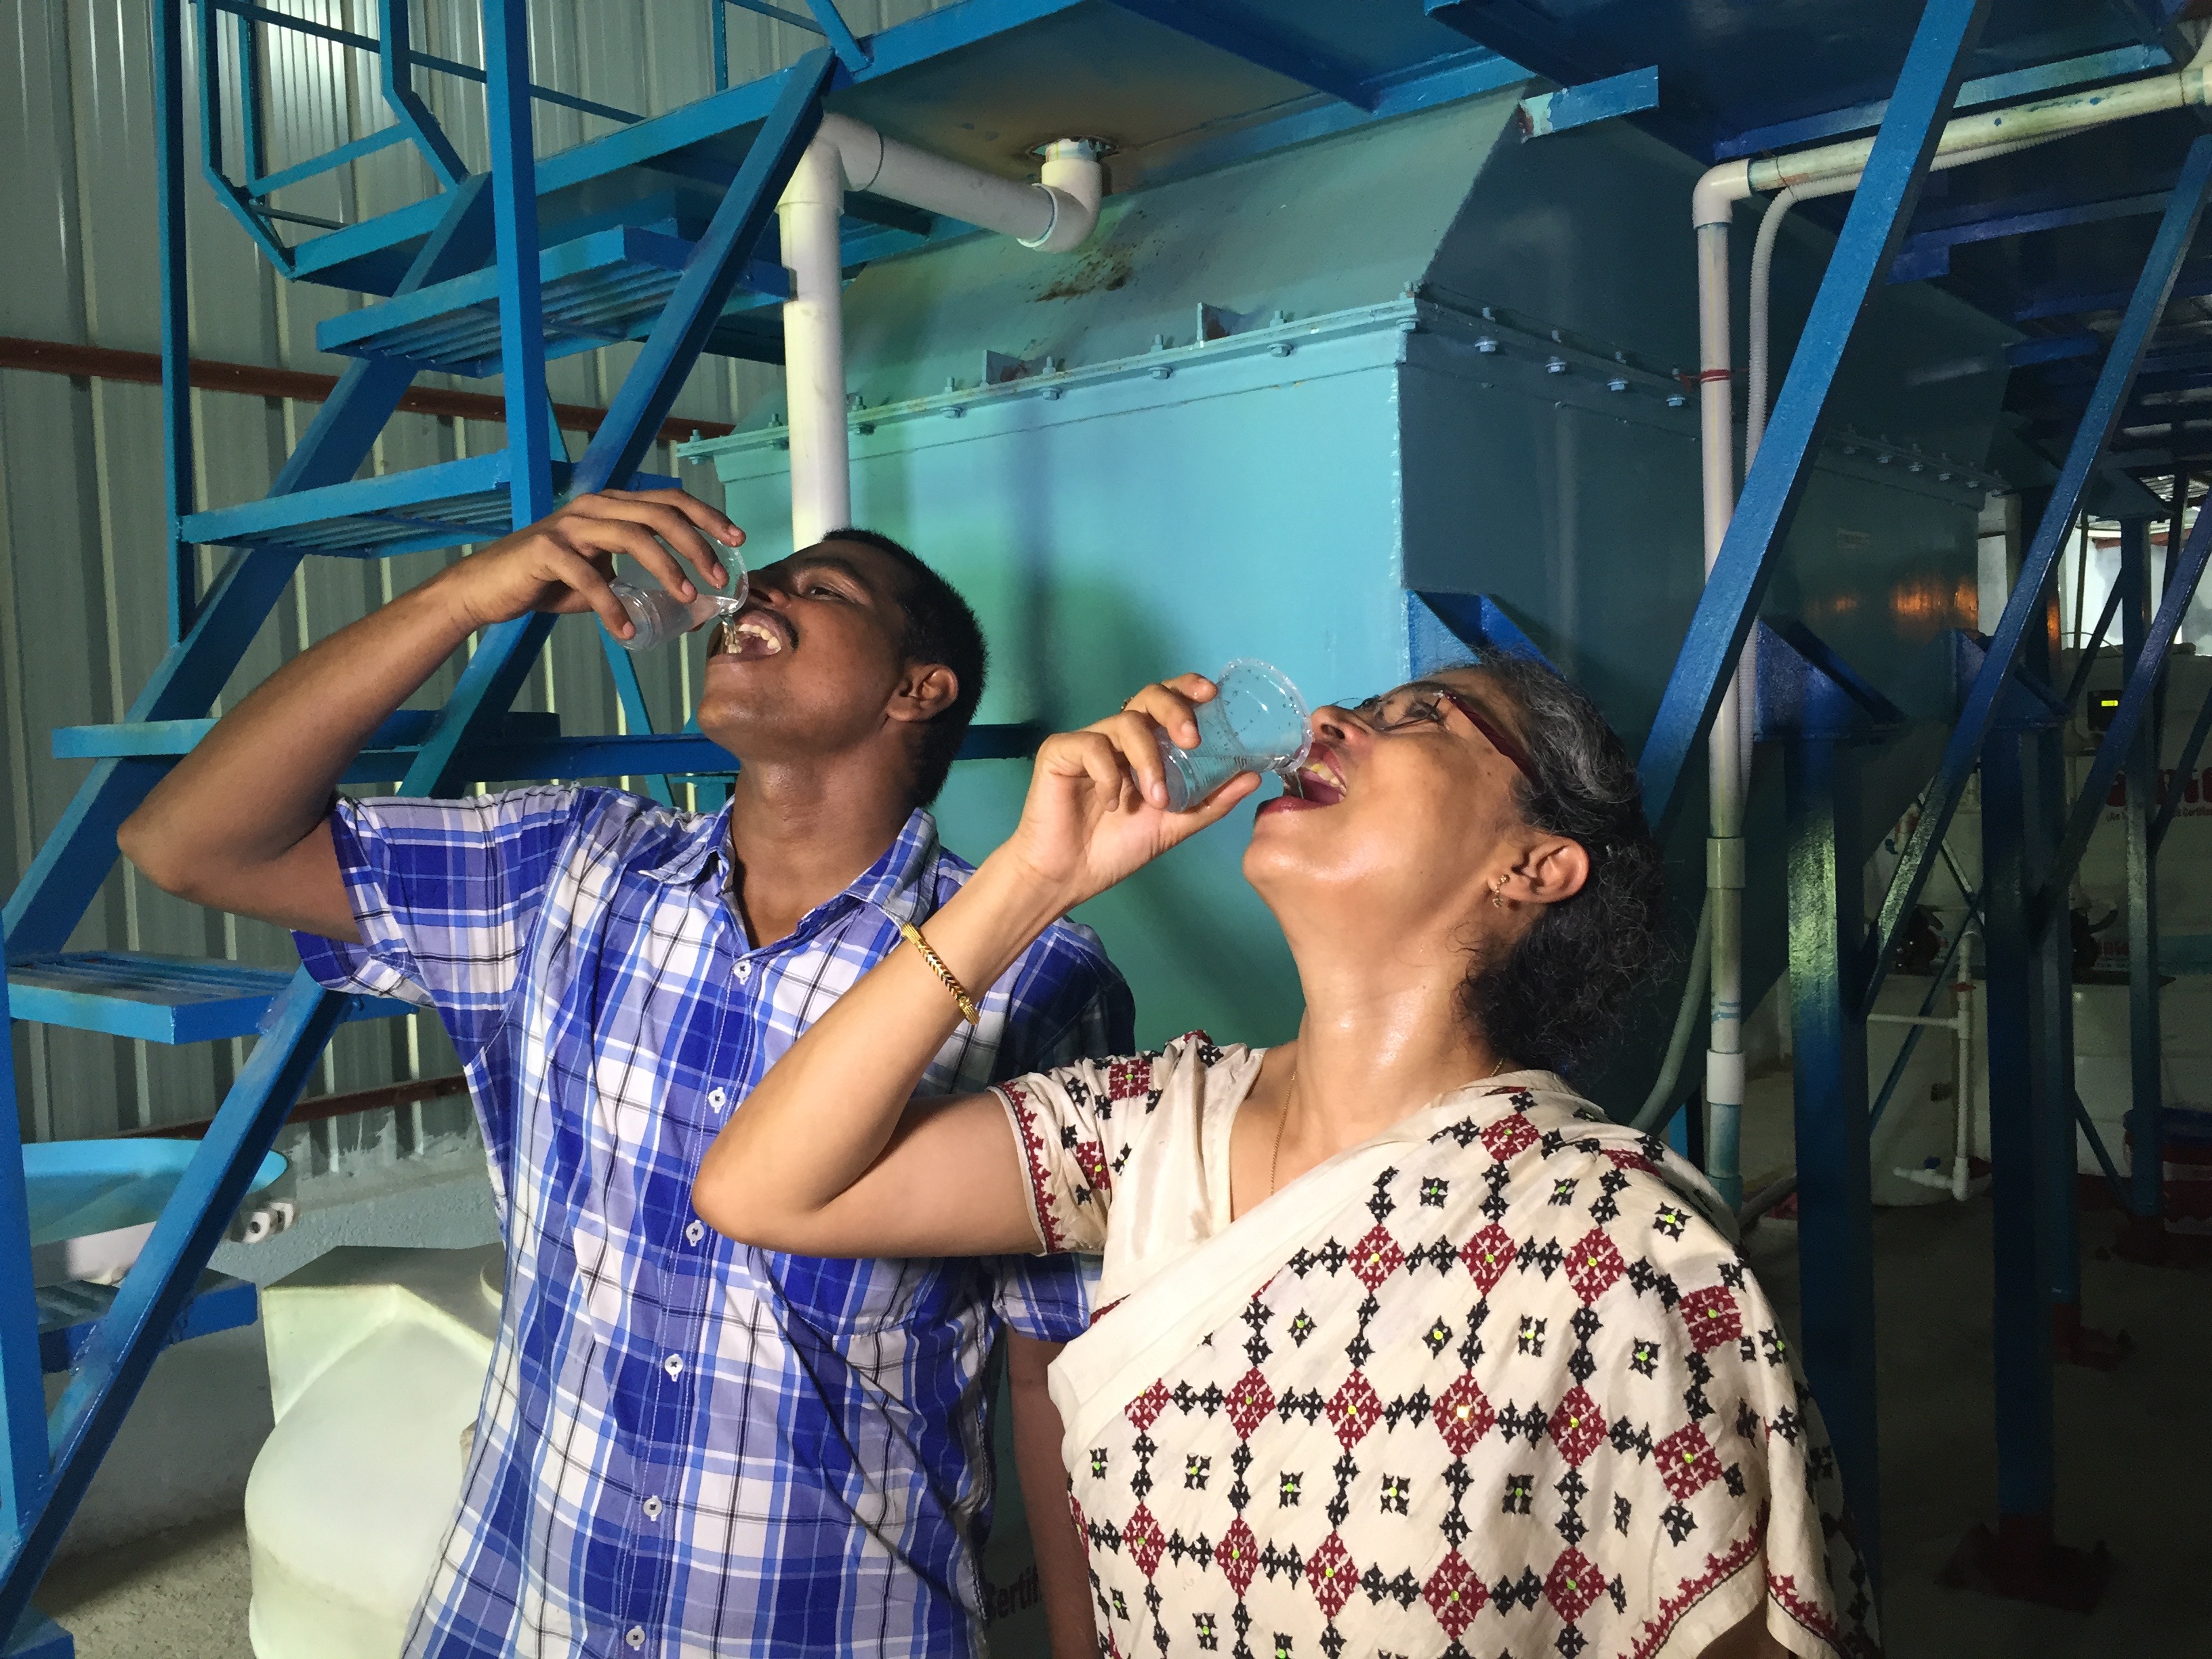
(898, 882)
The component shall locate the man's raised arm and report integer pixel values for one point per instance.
(242, 822)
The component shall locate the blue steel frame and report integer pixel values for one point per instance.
(1821, 714)
(2146, 1072)
(1887, 193)
(501, 211)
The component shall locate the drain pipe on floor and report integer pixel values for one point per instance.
(1821, 171)
(1053, 216)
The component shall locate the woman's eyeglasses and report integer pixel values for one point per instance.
(1423, 704)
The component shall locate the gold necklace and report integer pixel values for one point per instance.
(1275, 1158)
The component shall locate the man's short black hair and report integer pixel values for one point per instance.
(940, 627)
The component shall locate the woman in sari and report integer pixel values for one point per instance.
(1401, 1347)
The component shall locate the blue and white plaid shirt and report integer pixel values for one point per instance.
(689, 1447)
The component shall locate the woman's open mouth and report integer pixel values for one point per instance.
(1316, 784)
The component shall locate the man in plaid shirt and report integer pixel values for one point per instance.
(686, 1447)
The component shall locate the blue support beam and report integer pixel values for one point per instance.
(23, 1458)
(2146, 1055)
(1885, 200)
(2176, 231)
(1927, 252)
(1821, 714)
(829, 22)
(1597, 101)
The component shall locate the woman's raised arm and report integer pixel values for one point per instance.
(825, 1157)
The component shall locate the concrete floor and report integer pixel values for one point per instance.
(2135, 1459)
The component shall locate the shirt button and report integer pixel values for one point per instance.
(635, 1636)
(718, 1098)
(744, 971)
(653, 1509)
(695, 1231)
(673, 1364)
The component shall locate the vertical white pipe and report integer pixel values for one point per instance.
(814, 346)
(1725, 747)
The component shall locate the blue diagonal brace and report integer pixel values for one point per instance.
(176, 316)
(154, 1292)
(504, 654)
(1887, 193)
(2144, 676)
(636, 717)
(2024, 609)
(23, 1459)
(2183, 770)
(850, 52)
(77, 856)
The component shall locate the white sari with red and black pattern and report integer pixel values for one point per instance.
(1494, 1383)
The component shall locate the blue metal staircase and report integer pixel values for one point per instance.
(654, 234)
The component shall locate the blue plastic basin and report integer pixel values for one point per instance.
(81, 1187)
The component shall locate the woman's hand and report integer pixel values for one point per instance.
(1098, 809)
(564, 562)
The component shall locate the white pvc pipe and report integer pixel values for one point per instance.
(1051, 216)
(808, 215)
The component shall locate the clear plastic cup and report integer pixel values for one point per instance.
(1256, 722)
(659, 616)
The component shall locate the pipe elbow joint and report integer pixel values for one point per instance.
(1074, 178)
(1713, 201)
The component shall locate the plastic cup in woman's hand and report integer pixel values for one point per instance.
(1255, 721)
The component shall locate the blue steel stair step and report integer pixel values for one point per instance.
(598, 291)
(171, 999)
(529, 747)
(69, 1313)
(411, 512)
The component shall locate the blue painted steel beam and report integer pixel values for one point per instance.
(1995, 220)
(166, 1000)
(23, 1458)
(77, 854)
(176, 311)
(2043, 78)
(636, 717)
(2146, 670)
(250, 214)
(1595, 101)
(1283, 57)
(2022, 1335)
(2176, 231)
(1884, 202)
(2146, 1057)
(73, 1312)
(158, 1289)
(1834, 1178)
(2194, 283)
(489, 684)
(829, 22)
(1821, 711)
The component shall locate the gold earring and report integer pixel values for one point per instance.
(1497, 889)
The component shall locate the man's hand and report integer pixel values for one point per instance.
(1097, 810)
(564, 562)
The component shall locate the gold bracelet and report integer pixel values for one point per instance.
(969, 1010)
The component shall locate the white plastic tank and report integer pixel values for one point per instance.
(376, 1369)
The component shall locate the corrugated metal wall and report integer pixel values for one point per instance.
(83, 602)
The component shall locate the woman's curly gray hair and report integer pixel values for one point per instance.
(1562, 991)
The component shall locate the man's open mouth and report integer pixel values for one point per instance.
(755, 633)
(1318, 781)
